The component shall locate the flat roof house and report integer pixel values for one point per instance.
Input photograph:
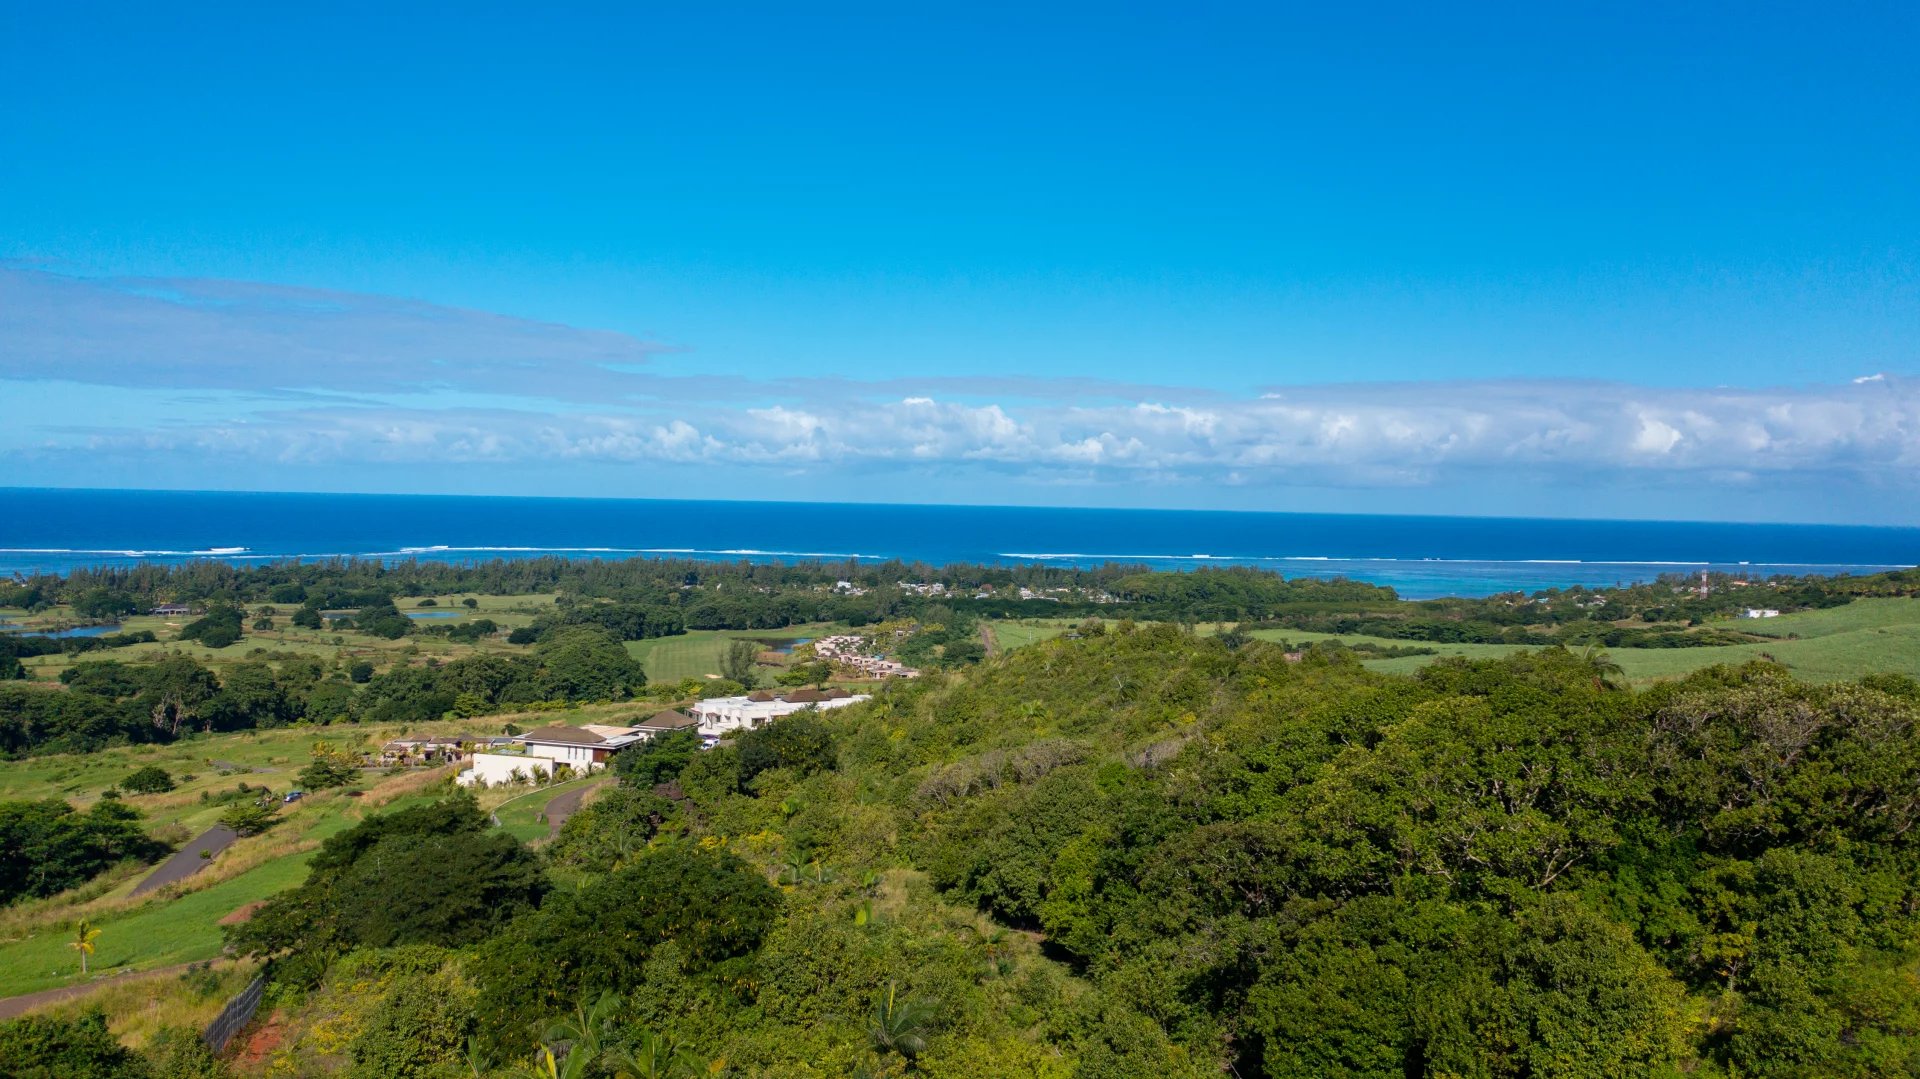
(720, 715)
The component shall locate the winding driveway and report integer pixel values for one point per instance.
(188, 860)
(564, 806)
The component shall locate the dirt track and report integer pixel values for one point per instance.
(14, 1007)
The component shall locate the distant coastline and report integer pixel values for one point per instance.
(54, 531)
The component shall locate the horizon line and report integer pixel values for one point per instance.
(4, 490)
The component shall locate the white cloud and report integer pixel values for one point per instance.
(1365, 435)
(576, 398)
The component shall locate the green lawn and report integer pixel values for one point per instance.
(1864, 637)
(523, 818)
(697, 654)
(1012, 635)
(158, 934)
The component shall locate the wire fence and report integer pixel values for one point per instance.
(238, 1012)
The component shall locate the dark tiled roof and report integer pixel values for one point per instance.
(837, 694)
(669, 720)
(565, 736)
(805, 696)
(760, 695)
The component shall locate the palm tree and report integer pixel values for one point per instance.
(655, 1056)
(899, 1026)
(1603, 665)
(584, 1032)
(84, 936)
(998, 948)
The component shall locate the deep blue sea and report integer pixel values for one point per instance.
(57, 530)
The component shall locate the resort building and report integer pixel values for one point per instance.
(849, 650)
(717, 716)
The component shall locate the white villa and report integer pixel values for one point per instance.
(583, 749)
(723, 715)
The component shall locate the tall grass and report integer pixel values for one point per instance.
(138, 1006)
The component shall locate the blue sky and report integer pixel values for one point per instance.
(1609, 260)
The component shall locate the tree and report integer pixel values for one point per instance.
(307, 618)
(711, 904)
(583, 663)
(740, 663)
(103, 603)
(248, 818)
(659, 759)
(899, 1025)
(178, 690)
(800, 742)
(802, 674)
(218, 628)
(433, 874)
(84, 934)
(610, 832)
(152, 779)
(470, 603)
(329, 768)
(47, 847)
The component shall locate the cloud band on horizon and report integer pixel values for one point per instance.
(315, 378)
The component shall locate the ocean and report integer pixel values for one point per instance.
(44, 530)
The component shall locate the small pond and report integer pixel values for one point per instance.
(77, 631)
(432, 615)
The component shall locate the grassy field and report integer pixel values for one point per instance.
(524, 816)
(697, 654)
(140, 1006)
(1864, 637)
(1011, 635)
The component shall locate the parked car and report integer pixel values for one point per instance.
(294, 796)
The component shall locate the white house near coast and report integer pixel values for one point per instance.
(582, 749)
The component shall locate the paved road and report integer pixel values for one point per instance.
(187, 861)
(14, 1007)
(563, 806)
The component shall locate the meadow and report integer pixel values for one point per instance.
(697, 653)
(1866, 636)
(329, 645)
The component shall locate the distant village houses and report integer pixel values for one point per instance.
(849, 650)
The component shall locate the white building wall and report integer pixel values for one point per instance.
(493, 769)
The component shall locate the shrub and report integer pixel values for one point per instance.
(44, 1047)
(248, 818)
(151, 779)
